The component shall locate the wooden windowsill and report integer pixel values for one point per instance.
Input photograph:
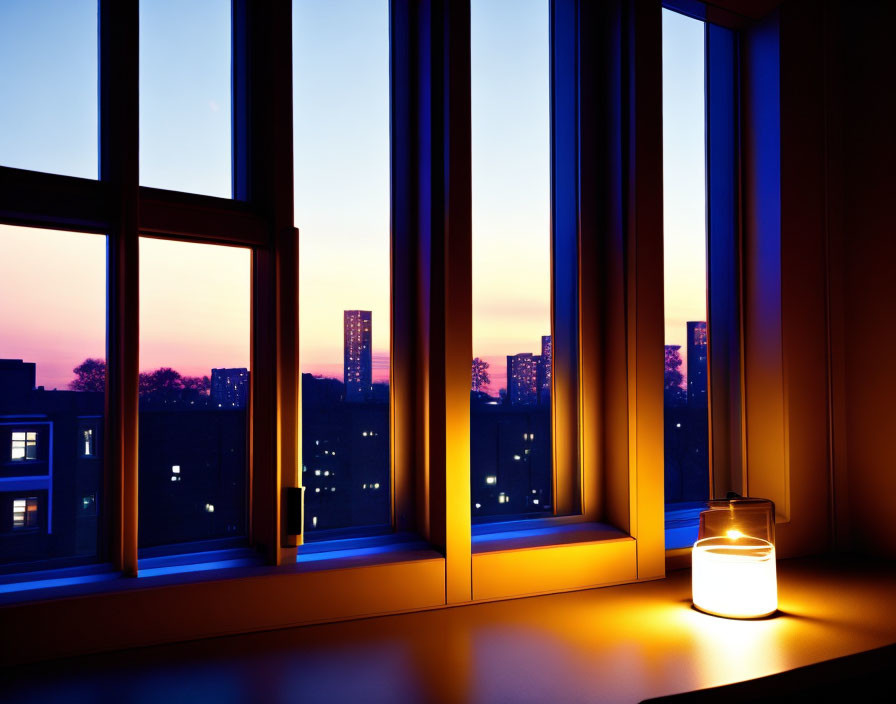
(620, 644)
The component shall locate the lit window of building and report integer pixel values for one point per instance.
(24, 513)
(24, 445)
(88, 442)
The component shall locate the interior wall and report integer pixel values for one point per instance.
(869, 279)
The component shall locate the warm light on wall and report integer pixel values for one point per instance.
(733, 562)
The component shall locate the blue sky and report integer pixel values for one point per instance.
(510, 103)
(684, 175)
(48, 86)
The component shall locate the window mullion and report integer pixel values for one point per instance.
(565, 145)
(119, 169)
(262, 51)
(723, 260)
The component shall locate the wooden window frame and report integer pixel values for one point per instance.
(606, 313)
(606, 185)
(767, 282)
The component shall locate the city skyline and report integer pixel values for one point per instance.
(341, 187)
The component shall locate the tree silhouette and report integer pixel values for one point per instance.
(674, 393)
(202, 384)
(480, 374)
(90, 375)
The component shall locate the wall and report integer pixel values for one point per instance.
(869, 284)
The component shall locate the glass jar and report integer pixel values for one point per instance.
(733, 561)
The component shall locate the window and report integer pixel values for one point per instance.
(185, 96)
(341, 132)
(88, 442)
(52, 375)
(684, 201)
(510, 401)
(48, 80)
(194, 393)
(24, 446)
(88, 505)
(703, 374)
(379, 341)
(24, 513)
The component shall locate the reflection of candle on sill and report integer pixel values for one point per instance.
(734, 575)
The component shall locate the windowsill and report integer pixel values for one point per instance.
(624, 643)
(540, 533)
(26, 586)
(210, 566)
(681, 523)
(360, 552)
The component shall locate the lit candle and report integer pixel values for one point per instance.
(734, 575)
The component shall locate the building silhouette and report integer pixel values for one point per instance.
(357, 355)
(345, 457)
(230, 387)
(510, 459)
(686, 421)
(697, 364)
(192, 467)
(50, 471)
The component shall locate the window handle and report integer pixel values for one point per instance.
(295, 518)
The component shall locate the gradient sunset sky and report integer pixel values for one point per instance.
(195, 298)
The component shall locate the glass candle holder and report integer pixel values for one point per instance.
(733, 562)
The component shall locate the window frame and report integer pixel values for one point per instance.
(606, 413)
(763, 403)
(25, 527)
(26, 443)
(724, 238)
(88, 431)
(603, 267)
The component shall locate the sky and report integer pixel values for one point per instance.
(195, 297)
(684, 176)
(341, 148)
(510, 120)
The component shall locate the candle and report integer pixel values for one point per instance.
(734, 575)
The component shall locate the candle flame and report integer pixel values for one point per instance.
(735, 534)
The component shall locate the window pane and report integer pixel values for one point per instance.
(52, 383)
(48, 84)
(511, 452)
(194, 392)
(185, 92)
(684, 202)
(341, 113)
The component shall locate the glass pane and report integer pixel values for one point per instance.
(52, 387)
(511, 452)
(48, 84)
(341, 113)
(185, 96)
(684, 202)
(194, 392)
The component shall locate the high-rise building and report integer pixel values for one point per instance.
(358, 355)
(697, 363)
(545, 370)
(522, 379)
(230, 387)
